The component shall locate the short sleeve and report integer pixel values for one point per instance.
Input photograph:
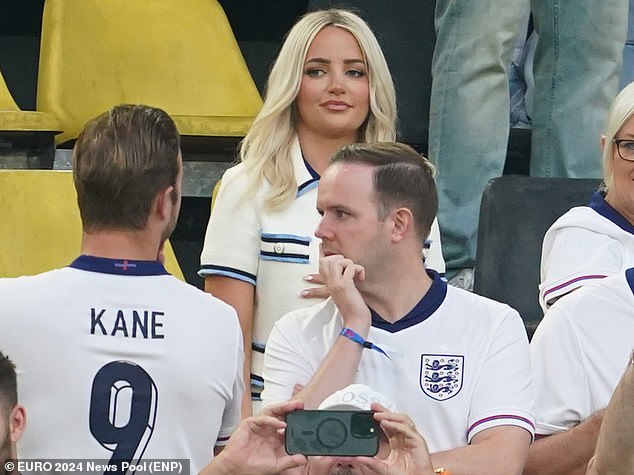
(573, 257)
(562, 399)
(503, 394)
(285, 362)
(231, 246)
(233, 410)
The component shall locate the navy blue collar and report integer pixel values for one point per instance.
(602, 207)
(311, 170)
(104, 265)
(424, 309)
(629, 276)
(312, 182)
(305, 176)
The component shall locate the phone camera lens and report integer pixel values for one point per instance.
(363, 425)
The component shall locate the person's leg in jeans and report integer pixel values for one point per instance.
(628, 52)
(577, 71)
(469, 118)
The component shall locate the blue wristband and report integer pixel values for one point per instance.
(350, 334)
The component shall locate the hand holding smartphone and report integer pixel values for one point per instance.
(332, 432)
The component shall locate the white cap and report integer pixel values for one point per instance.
(356, 397)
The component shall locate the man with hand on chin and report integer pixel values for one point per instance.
(455, 362)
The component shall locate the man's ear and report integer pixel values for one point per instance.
(403, 223)
(164, 202)
(17, 422)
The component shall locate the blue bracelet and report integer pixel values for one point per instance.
(350, 334)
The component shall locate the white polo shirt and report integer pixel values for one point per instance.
(273, 251)
(119, 359)
(585, 244)
(458, 362)
(580, 350)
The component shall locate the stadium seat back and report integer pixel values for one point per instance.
(41, 227)
(515, 213)
(6, 100)
(12, 119)
(180, 56)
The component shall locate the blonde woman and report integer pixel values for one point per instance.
(588, 243)
(330, 86)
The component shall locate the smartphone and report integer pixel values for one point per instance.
(335, 433)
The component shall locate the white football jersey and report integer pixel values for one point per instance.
(584, 245)
(120, 360)
(457, 364)
(580, 350)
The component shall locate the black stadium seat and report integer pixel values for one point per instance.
(515, 213)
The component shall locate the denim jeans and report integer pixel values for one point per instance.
(628, 52)
(469, 111)
(577, 69)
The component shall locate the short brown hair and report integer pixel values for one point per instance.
(402, 177)
(8, 386)
(121, 160)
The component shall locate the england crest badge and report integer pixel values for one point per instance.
(441, 375)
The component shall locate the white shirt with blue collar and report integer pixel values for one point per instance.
(118, 360)
(457, 363)
(584, 245)
(580, 350)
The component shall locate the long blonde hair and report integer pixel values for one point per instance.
(266, 149)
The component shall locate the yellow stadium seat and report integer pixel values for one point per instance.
(13, 119)
(7, 103)
(27, 131)
(179, 55)
(41, 227)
